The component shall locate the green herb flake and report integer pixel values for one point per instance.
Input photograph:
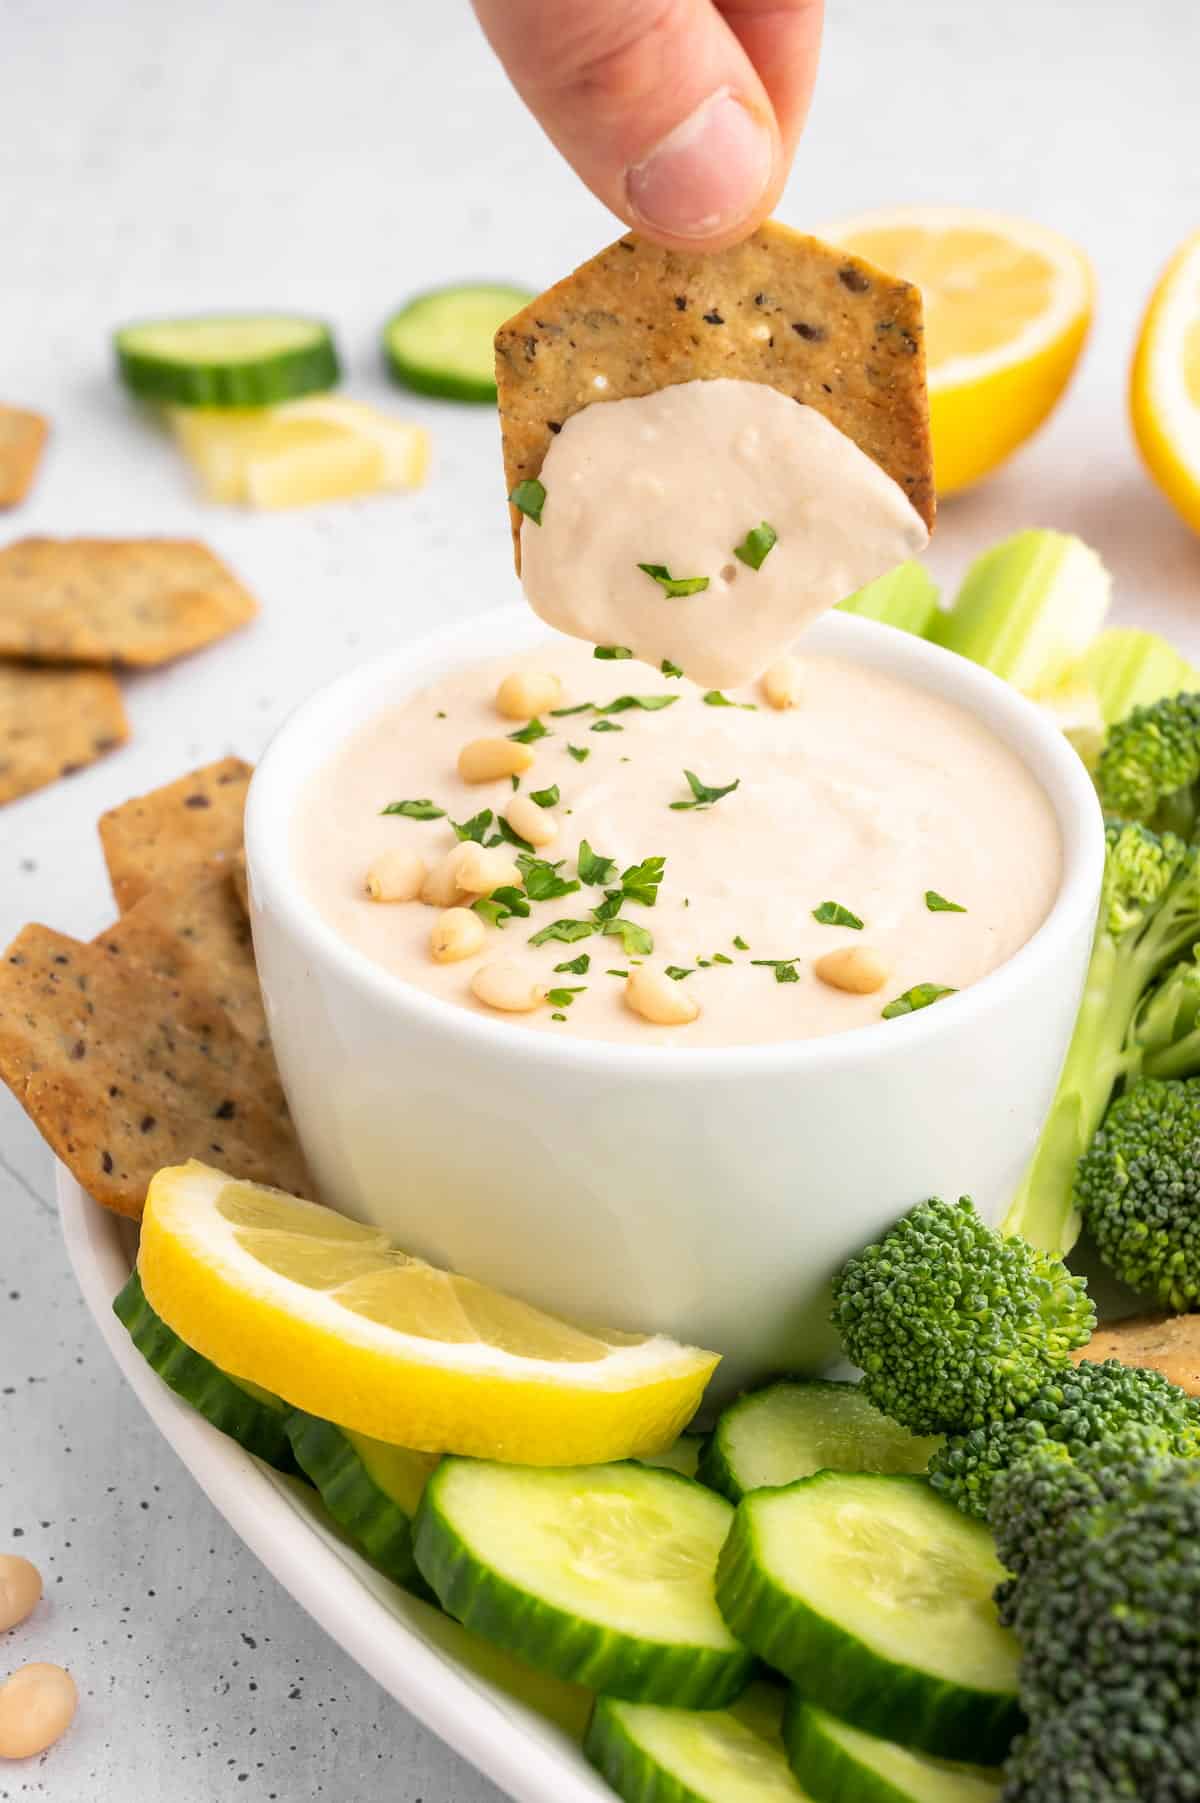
(678, 972)
(937, 904)
(475, 828)
(616, 973)
(593, 868)
(415, 810)
(702, 795)
(715, 698)
(564, 932)
(704, 963)
(612, 654)
(516, 782)
(640, 882)
(441, 714)
(502, 905)
(564, 713)
(575, 967)
(833, 914)
(649, 704)
(545, 798)
(740, 943)
(542, 881)
(784, 968)
(606, 726)
(670, 669)
(634, 939)
(674, 587)
(610, 906)
(529, 497)
(562, 998)
(755, 546)
(922, 995)
(558, 1017)
(720, 958)
(580, 753)
(529, 735)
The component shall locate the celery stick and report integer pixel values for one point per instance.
(1128, 668)
(906, 597)
(1074, 708)
(1028, 609)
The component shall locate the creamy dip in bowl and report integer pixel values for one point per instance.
(618, 1173)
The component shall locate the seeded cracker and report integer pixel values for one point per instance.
(189, 822)
(22, 436)
(781, 308)
(123, 1073)
(115, 601)
(1169, 1344)
(53, 722)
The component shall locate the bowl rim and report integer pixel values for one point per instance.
(322, 721)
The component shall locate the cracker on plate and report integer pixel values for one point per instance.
(115, 601)
(123, 1072)
(53, 722)
(22, 437)
(188, 822)
(192, 929)
(1166, 1343)
(240, 881)
(780, 308)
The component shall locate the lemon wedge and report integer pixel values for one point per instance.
(1164, 390)
(1007, 309)
(322, 448)
(332, 1317)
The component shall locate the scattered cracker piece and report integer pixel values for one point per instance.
(191, 930)
(240, 882)
(122, 1073)
(115, 601)
(780, 308)
(53, 722)
(188, 822)
(22, 437)
(1166, 1343)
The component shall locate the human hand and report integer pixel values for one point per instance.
(680, 115)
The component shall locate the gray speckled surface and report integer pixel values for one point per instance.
(162, 158)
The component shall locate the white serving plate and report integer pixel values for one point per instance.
(522, 1731)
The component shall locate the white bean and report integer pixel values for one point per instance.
(524, 693)
(854, 968)
(481, 868)
(487, 760)
(782, 683)
(36, 1707)
(396, 876)
(456, 934)
(441, 888)
(20, 1589)
(650, 992)
(506, 985)
(536, 825)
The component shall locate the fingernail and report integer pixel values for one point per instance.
(707, 174)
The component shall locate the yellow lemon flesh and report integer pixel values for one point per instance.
(323, 448)
(335, 1319)
(1007, 308)
(1164, 393)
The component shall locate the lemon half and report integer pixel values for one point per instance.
(1164, 390)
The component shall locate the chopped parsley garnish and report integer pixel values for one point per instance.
(542, 881)
(704, 963)
(677, 972)
(545, 798)
(670, 669)
(562, 998)
(702, 795)
(474, 828)
(784, 968)
(740, 943)
(529, 735)
(564, 932)
(558, 1016)
(564, 713)
(649, 704)
(415, 810)
(516, 782)
(714, 698)
(922, 995)
(610, 906)
(634, 939)
(755, 546)
(612, 654)
(607, 726)
(937, 904)
(502, 905)
(720, 958)
(575, 967)
(640, 882)
(529, 497)
(674, 586)
(616, 973)
(505, 833)
(832, 914)
(580, 753)
(593, 868)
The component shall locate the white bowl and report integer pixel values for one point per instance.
(710, 1193)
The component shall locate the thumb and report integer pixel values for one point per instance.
(655, 103)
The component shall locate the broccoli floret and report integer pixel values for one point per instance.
(1150, 766)
(1070, 1412)
(1167, 1028)
(1149, 919)
(953, 1325)
(1106, 1607)
(1138, 1190)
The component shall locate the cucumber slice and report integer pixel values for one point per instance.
(370, 1489)
(790, 1430)
(252, 1417)
(227, 360)
(836, 1763)
(682, 1456)
(599, 1573)
(874, 1596)
(650, 1754)
(442, 342)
